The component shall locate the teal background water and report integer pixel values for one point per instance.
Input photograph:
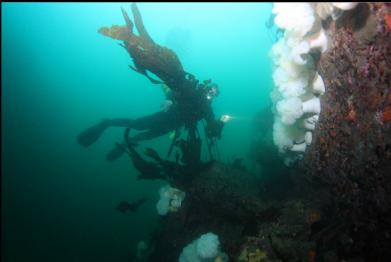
(60, 76)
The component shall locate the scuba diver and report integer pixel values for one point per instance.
(186, 110)
(187, 100)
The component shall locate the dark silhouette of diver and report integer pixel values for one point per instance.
(125, 206)
(188, 101)
(186, 110)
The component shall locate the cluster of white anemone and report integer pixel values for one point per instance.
(170, 200)
(298, 87)
(206, 248)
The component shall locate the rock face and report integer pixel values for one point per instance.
(252, 215)
(351, 151)
(223, 200)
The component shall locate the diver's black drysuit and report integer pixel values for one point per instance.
(191, 107)
(156, 124)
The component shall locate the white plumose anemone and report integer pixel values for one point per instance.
(290, 110)
(318, 41)
(299, 147)
(298, 87)
(308, 137)
(309, 123)
(170, 200)
(318, 87)
(312, 106)
(345, 5)
(297, 18)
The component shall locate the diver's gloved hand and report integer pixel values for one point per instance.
(214, 129)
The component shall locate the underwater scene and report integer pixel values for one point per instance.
(196, 132)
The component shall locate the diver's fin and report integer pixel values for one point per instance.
(119, 149)
(114, 154)
(89, 136)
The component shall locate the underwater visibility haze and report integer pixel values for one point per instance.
(196, 132)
